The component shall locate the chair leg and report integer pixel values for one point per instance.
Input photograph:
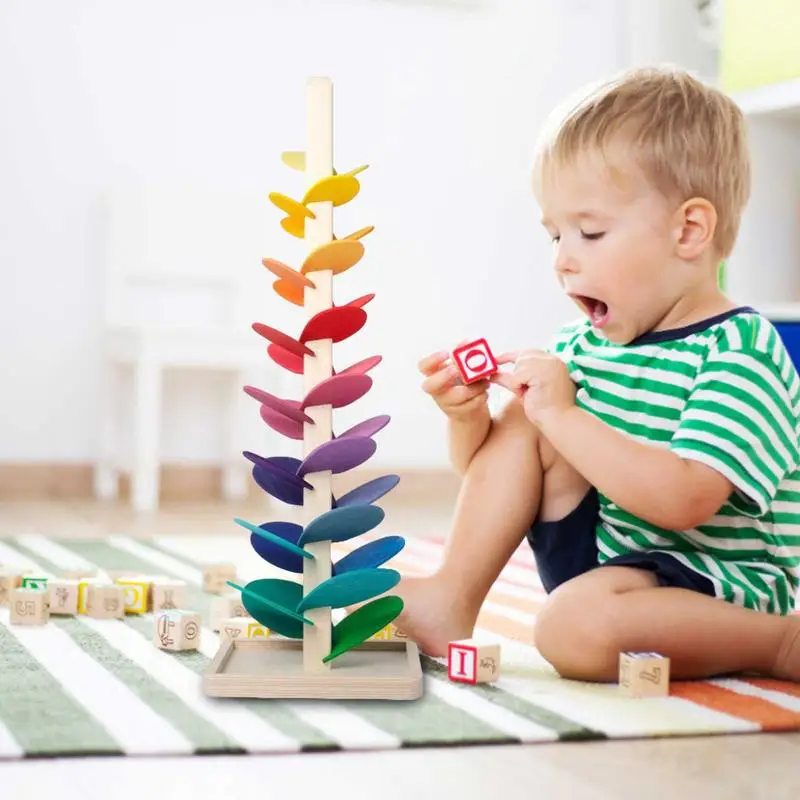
(147, 428)
(235, 471)
(106, 476)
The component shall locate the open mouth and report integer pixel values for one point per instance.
(596, 310)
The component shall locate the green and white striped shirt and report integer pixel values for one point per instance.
(723, 392)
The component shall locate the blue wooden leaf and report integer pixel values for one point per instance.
(351, 587)
(340, 524)
(276, 542)
(371, 554)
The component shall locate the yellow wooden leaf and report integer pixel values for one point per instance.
(290, 206)
(336, 189)
(296, 159)
(360, 234)
(336, 256)
(296, 226)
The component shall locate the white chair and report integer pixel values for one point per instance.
(183, 281)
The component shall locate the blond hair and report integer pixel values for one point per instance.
(688, 138)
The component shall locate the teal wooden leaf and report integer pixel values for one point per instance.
(341, 524)
(350, 587)
(271, 601)
(357, 627)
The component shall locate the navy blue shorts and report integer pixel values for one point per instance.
(568, 548)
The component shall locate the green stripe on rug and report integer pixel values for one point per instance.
(107, 557)
(431, 721)
(202, 734)
(566, 728)
(40, 715)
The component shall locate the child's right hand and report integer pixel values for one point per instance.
(443, 383)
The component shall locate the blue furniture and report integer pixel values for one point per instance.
(790, 333)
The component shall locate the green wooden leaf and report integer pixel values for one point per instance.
(357, 627)
(350, 587)
(271, 601)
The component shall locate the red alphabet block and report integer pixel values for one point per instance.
(474, 361)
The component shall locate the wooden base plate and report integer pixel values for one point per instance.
(272, 668)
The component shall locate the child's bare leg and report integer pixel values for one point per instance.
(515, 474)
(588, 621)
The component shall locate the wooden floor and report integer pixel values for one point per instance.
(730, 767)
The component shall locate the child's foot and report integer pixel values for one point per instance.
(432, 616)
(787, 664)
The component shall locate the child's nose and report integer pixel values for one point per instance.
(564, 261)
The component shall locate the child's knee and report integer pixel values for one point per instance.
(576, 634)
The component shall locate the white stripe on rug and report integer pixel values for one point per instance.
(346, 728)
(599, 705)
(786, 701)
(249, 730)
(484, 710)
(9, 748)
(498, 717)
(132, 723)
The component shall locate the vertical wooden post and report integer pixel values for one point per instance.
(316, 368)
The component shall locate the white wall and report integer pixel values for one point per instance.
(444, 103)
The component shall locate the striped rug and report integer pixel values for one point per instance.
(80, 686)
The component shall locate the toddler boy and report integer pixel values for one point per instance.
(650, 455)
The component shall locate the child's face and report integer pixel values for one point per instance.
(614, 246)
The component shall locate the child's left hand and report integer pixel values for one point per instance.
(542, 381)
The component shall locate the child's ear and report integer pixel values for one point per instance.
(695, 225)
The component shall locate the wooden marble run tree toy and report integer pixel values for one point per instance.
(315, 658)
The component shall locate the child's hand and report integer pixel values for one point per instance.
(443, 383)
(543, 382)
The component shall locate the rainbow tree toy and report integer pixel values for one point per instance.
(313, 658)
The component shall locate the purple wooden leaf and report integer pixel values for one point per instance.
(290, 428)
(276, 486)
(368, 492)
(282, 467)
(289, 408)
(369, 427)
(337, 391)
(338, 455)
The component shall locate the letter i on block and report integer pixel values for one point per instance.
(474, 361)
(469, 661)
(644, 674)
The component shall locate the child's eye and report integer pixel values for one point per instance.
(593, 237)
(555, 239)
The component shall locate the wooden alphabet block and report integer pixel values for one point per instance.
(215, 577)
(388, 634)
(29, 607)
(105, 601)
(63, 596)
(470, 661)
(644, 674)
(474, 361)
(10, 579)
(33, 582)
(177, 630)
(225, 607)
(243, 628)
(136, 591)
(168, 594)
(83, 591)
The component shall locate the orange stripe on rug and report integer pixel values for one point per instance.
(753, 709)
